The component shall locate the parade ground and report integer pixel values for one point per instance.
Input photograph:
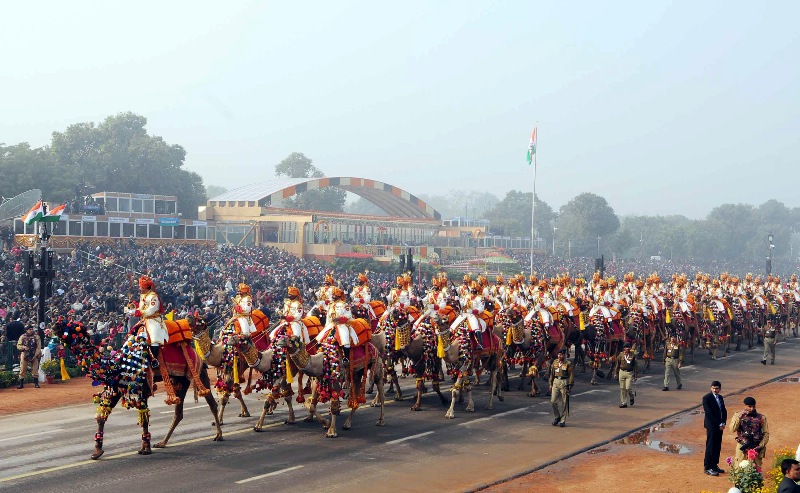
(48, 437)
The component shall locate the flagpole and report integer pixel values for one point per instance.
(533, 206)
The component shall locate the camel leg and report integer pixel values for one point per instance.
(438, 390)
(237, 392)
(222, 403)
(177, 417)
(398, 395)
(378, 379)
(524, 372)
(492, 389)
(334, 410)
(418, 402)
(103, 412)
(144, 417)
(450, 414)
(267, 409)
(468, 389)
(349, 421)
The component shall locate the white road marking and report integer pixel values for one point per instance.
(645, 377)
(29, 435)
(273, 473)
(687, 367)
(596, 391)
(172, 411)
(487, 418)
(399, 440)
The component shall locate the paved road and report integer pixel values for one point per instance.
(416, 451)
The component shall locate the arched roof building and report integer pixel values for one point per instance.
(393, 200)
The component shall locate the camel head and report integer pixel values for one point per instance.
(290, 342)
(197, 323)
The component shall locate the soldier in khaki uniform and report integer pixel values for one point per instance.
(770, 336)
(627, 372)
(673, 360)
(561, 381)
(30, 350)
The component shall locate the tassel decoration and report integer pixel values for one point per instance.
(64, 373)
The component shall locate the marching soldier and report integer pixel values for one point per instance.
(560, 385)
(627, 373)
(30, 350)
(770, 336)
(673, 360)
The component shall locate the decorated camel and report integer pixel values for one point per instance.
(128, 378)
(463, 355)
(332, 375)
(400, 339)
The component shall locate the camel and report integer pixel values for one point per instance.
(331, 376)
(264, 362)
(127, 377)
(460, 355)
(396, 340)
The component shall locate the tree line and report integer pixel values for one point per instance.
(119, 155)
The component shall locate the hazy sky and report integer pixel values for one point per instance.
(660, 107)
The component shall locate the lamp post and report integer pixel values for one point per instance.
(598, 246)
(769, 253)
(554, 240)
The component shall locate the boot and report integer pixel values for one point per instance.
(21, 383)
(346, 360)
(35, 383)
(154, 364)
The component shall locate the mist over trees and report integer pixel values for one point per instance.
(297, 165)
(117, 155)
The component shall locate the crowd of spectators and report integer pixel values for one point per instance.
(94, 283)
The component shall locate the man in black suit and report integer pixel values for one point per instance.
(714, 423)
(791, 472)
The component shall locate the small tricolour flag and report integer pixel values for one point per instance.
(54, 214)
(35, 214)
(532, 146)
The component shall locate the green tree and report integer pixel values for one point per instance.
(365, 207)
(24, 168)
(583, 219)
(732, 226)
(215, 190)
(512, 216)
(297, 165)
(118, 154)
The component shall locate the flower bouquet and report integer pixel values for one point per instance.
(746, 476)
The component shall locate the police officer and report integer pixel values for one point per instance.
(627, 373)
(561, 381)
(770, 335)
(673, 360)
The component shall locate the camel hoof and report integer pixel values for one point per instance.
(268, 413)
(416, 407)
(288, 422)
(398, 398)
(244, 415)
(308, 419)
(488, 408)
(346, 427)
(215, 424)
(257, 429)
(501, 398)
(335, 435)
(145, 451)
(380, 423)
(218, 438)
(449, 416)
(470, 409)
(97, 455)
(160, 445)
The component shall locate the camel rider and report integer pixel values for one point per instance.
(339, 317)
(472, 308)
(463, 291)
(432, 302)
(292, 317)
(324, 295)
(361, 295)
(499, 292)
(398, 298)
(150, 310)
(243, 310)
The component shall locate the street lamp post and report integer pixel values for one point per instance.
(554, 240)
(769, 254)
(598, 246)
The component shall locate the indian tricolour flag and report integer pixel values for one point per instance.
(54, 214)
(532, 146)
(35, 214)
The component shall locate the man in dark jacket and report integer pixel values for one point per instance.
(791, 472)
(715, 416)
